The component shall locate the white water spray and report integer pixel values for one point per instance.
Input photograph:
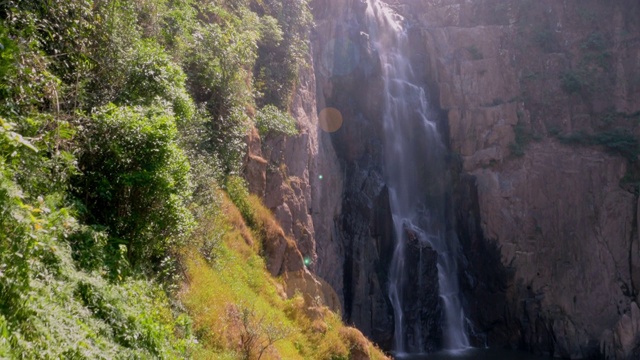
(415, 173)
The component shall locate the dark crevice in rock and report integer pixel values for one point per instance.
(484, 279)
(633, 239)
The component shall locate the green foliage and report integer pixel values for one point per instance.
(52, 39)
(59, 28)
(522, 137)
(48, 169)
(28, 85)
(617, 141)
(220, 59)
(475, 53)
(82, 316)
(50, 310)
(576, 138)
(270, 120)
(271, 33)
(151, 75)
(593, 73)
(8, 57)
(30, 225)
(135, 179)
(132, 69)
(108, 109)
(227, 139)
(620, 142)
(93, 250)
(236, 187)
(596, 41)
(218, 66)
(574, 82)
(278, 62)
(128, 331)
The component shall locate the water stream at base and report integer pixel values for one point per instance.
(415, 172)
(474, 354)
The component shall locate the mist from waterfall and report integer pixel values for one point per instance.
(415, 172)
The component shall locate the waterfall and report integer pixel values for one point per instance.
(415, 172)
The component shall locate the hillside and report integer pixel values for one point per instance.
(123, 126)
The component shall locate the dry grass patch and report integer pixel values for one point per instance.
(238, 308)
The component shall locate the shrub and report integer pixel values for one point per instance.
(619, 141)
(151, 75)
(278, 62)
(29, 225)
(61, 29)
(573, 82)
(218, 66)
(258, 332)
(270, 120)
(576, 138)
(135, 179)
(237, 189)
(596, 41)
(522, 137)
(270, 32)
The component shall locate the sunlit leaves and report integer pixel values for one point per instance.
(135, 178)
(271, 120)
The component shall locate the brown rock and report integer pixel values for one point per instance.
(304, 184)
(563, 232)
(563, 227)
(315, 291)
(255, 165)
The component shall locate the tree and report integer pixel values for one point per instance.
(135, 179)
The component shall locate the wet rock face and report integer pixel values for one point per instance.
(559, 275)
(552, 255)
(547, 225)
(424, 308)
(366, 230)
(349, 79)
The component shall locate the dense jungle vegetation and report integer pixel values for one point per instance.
(121, 123)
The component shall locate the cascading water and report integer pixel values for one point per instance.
(415, 172)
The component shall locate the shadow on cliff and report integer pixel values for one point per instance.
(485, 280)
(503, 312)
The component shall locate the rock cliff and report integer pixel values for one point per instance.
(539, 102)
(540, 97)
(349, 78)
(300, 181)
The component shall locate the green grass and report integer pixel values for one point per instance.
(237, 281)
(79, 315)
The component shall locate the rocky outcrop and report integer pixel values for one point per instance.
(563, 227)
(255, 168)
(364, 227)
(539, 103)
(299, 179)
(529, 88)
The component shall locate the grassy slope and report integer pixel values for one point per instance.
(236, 282)
(89, 91)
(232, 308)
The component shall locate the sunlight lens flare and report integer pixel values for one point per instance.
(330, 119)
